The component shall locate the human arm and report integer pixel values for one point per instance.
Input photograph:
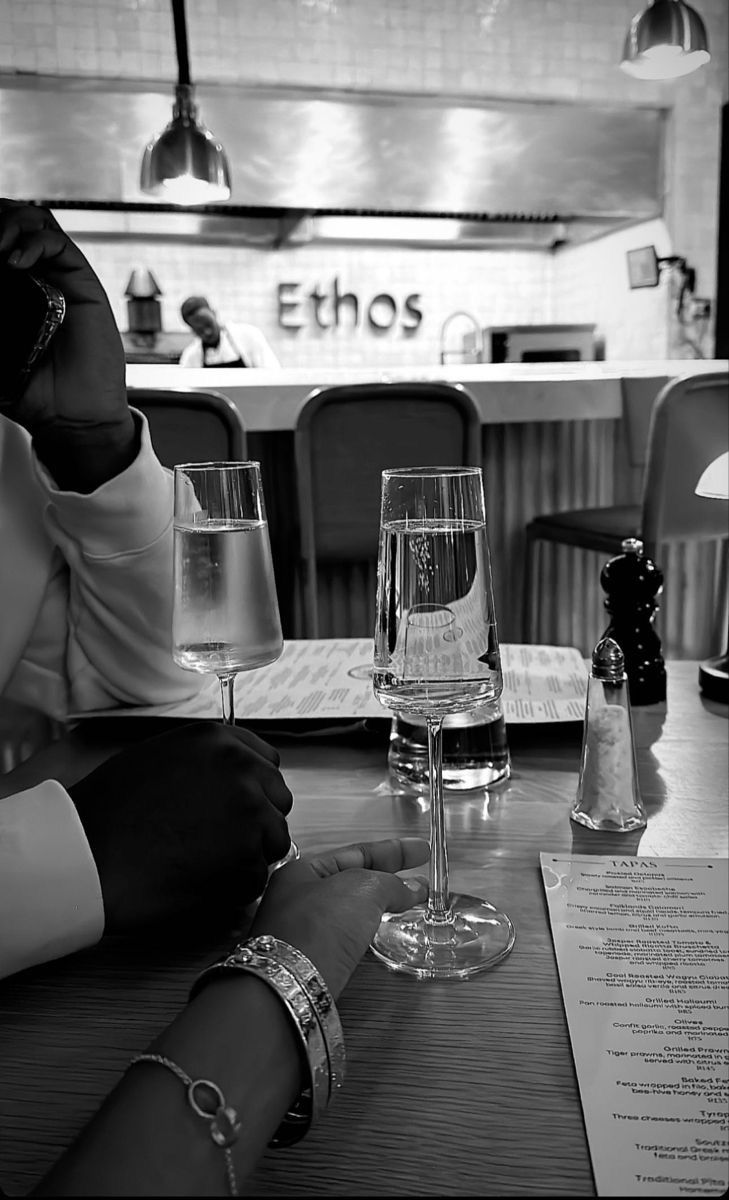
(252, 345)
(192, 355)
(117, 543)
(50, 897)
(237, 1033)
(101, 629)
(183, 825)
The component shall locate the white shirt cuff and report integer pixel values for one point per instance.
(50, 895)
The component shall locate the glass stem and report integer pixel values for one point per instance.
(227, 683)
(438, 910)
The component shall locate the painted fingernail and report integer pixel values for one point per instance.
(415, 884)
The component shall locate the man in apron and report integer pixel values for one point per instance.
(222, 345)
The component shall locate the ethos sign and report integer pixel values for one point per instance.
(331, 308)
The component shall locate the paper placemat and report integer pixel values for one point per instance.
(331, 678)
(642, 952)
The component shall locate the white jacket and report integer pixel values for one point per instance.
(85, 623)
(236, 341)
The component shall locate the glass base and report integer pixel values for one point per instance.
(477, 937)
(623, 823)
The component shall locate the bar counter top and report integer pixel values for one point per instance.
(505, 392)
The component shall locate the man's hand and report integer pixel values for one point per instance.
(75, 405)
(185, 825)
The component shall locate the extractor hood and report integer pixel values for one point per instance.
(313, 165)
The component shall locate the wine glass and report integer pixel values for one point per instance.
(225, 613)
(436, 652)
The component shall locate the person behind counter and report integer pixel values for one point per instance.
(222, 345)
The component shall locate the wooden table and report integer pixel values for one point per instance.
(462, 1088)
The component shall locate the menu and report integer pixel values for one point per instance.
(331, 678)
(642, 948)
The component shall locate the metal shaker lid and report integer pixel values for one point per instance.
(631, 545)
(608, 661)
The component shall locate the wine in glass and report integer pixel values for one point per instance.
(436, 652)
(225, 614)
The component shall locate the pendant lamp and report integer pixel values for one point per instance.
(664, 41)
(185, 164)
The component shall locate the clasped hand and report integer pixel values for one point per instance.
(185, 824)
(75, 403)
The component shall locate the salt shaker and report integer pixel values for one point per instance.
(608, 797)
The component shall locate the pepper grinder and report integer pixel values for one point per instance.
(631, 582)
(608, 797)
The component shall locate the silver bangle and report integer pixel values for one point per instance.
(319, 995)
(261, 960)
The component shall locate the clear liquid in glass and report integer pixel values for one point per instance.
(436, 648)
(226, 618)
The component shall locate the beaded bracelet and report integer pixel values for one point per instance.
(308, 1000)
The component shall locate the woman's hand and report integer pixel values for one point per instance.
(330, 905)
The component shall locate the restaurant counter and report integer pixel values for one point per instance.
(505, 392)
(555, 436)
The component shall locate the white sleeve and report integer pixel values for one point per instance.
(118, 544)
(50, 895)
(252, 345)
(266, 354)
(191, 356)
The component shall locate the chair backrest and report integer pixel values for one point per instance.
(639, 396)
(345, 437)
(689, 428)
(187, 425)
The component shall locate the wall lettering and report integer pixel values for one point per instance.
(332, 308)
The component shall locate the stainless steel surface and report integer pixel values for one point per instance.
(154, 347)
(519, 163)
(463, 353)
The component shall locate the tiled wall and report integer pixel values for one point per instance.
(551, 49)
(242, 283)
(591, 282)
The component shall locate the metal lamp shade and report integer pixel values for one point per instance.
(185, 164)
(142, 285)
(714, 482)
(664, 41)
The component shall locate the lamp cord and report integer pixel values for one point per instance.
(183, 61)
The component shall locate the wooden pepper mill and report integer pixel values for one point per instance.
(631, 582)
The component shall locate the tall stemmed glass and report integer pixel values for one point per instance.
(225, 614)
(436, 652)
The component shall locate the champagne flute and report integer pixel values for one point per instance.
(225, 613)
(436, 652)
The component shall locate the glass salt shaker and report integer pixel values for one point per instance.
(608, 797)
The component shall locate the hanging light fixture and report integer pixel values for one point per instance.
(185, 164)
(665, 40)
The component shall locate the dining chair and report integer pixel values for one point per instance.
(187, 425)
(688, 428)
(344, 437)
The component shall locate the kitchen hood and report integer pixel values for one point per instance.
(313, 165)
